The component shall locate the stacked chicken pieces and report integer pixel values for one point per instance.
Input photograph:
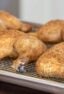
(17, 42)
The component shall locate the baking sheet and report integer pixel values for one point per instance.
(30, 78)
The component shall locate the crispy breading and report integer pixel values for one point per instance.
(32, 34)
(51, 31)
(7, 40)
(51, 63)
(6, 45)
(11, 22)
(16, 44)
(29, 48)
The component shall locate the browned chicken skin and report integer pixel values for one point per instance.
(33, 34)
(19, 45)
(51, 63)
(29, 48)
(51, 31)
(11, 22)
(7, 40)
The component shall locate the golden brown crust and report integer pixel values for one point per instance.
(51, 31)
(32, 34)
(11, 22)
(7, 40)
(51, 63)
(6, 45)
(14, 43)
(14, 33)
(29, 48)
(50, 68)
(26, 27)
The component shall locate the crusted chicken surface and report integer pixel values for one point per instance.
(7, 40)
(51, 31)
(29, 48)
(16, 44)
(51, 63)
(11, 22)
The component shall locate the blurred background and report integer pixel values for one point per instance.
(39, 11)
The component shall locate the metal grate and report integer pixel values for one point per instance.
(6, 65)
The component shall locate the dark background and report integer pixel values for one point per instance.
(6, 88)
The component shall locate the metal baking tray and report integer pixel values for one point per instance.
(30, 78)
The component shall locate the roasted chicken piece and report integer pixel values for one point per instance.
(51, 63)
(11, 22)
(29, 48)
(19, 45)
(7, 40)
(6, 45)
(51, 31)
(13, 33)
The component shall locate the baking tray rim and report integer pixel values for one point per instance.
(32, 79)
